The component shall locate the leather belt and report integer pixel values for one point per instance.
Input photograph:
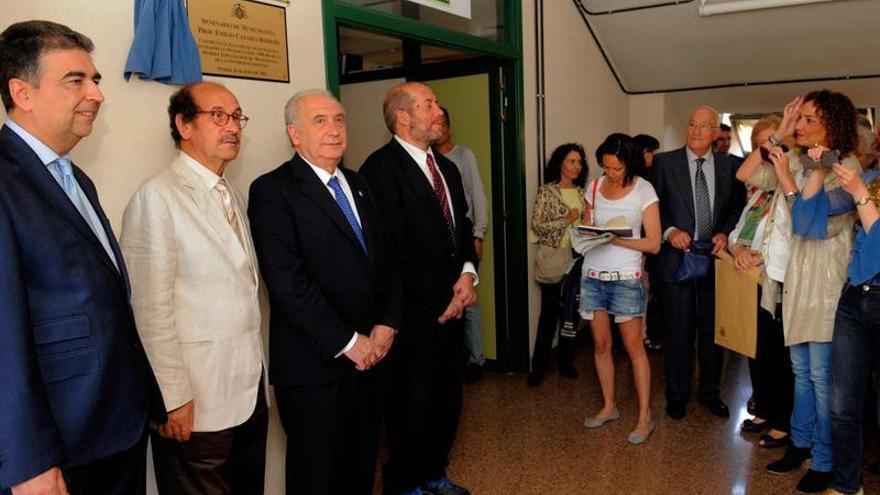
(613, 276)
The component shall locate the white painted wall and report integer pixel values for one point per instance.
(583, 101)
(131, 140)
(363, 114)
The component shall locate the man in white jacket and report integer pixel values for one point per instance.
(195, 294)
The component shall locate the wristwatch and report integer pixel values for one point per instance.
(774, 140)
(789, 196)
(863, 201)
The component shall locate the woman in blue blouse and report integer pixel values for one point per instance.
(856, 338)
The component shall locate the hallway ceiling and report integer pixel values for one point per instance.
(673, 48)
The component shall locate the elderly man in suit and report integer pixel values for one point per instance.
(195, 293)
(335, 302)
(423, 206)
(700, 199)
(77, 387)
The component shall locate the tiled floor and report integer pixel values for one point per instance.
(515, 440)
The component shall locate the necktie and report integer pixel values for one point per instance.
(345, 206)
(440, 192)
(704, 207)
(68, 181)
(229, 209)
(71, 189)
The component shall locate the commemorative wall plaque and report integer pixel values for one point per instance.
(240, 38)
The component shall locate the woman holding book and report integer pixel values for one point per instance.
(611, 284)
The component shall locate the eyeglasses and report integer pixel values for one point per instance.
(220, 118)
(705, 126)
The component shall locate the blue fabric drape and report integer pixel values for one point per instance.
(163, 48)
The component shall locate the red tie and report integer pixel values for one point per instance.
(437, 182)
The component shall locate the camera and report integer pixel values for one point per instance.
(829, 158)
(765, 153)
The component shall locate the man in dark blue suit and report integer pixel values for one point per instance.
(335, 302)
(76, 383)
(700, 199)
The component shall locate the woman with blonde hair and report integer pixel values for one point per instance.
(755, 243)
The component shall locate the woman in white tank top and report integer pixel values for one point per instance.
(611, 282)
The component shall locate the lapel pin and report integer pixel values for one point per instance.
(360, 193)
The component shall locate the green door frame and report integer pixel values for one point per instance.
(511, 279)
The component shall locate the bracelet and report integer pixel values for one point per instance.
(863, 201)
(774, 140)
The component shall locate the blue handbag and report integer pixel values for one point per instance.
(696, 262)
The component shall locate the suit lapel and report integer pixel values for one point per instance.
(721, 187)
(419, 182)
(682, 176)
(201, 196)
(312, 187)
(92, 196)
(364, 207)
(44, 184)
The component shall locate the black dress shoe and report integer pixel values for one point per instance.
(568, 371)
(473, 373)
(444, 486)
(535, 378)
(675, 410)
(815, 481)
(716, 407)
(793, 459)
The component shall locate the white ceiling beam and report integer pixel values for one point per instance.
(707, 9)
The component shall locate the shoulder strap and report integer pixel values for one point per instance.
(595, 187)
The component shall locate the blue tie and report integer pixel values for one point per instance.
(68, 181)
(71, 189)
(344, 205)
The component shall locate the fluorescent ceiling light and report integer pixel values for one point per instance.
(707, 9)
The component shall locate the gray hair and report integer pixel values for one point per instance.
(397, 99)
(291, 110)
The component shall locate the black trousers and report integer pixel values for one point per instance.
(332, 434)
(226, 462)
(772, 379)
(689, 317)
(548, 324)
(124, 473)
(424, 404)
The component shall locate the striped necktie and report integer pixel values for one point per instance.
(702, 203)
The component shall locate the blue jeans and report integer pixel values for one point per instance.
(620, 297)
(811, 414)
(473, 335)
(855, 345)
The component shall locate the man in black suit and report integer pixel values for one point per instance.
(77, 387)
(335, 302)
(423, 206)
(700, 199)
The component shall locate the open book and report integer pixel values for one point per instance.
(617, 226)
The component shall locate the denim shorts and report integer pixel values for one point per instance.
(625, 299)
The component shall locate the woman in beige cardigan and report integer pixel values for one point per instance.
(814, 274)
(558, 206)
